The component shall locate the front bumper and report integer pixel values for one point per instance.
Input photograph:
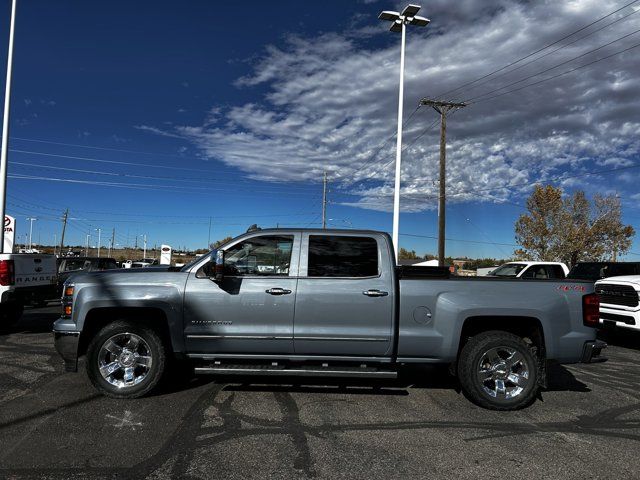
(619, 316)
(66, 340)
(592, 351)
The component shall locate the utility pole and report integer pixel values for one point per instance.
(64, 227)
(144, 254)
(209, 237)
(324, 201)
(55, 242)
(113, 240)
(442, 108)
(5, 127)
(86, 252)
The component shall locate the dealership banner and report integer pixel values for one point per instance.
(9, 233)
(165, 255)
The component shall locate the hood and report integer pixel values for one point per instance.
(126, 275)
(623, 280)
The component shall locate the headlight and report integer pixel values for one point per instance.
(67, 300)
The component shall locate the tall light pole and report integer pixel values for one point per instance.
(86, 252)
(5, 126)
(31, 220)
(144, 253)
(400, 21)
(99, 230)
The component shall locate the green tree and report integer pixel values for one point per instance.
(217, 243)
(408, 254)
(571, 229)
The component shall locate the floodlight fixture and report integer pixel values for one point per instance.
(389, 15)
(419, 21)
(410, 10)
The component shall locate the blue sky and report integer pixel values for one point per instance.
(151, 117)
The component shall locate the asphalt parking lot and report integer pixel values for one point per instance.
(54, 425)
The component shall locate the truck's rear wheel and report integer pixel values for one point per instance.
(498, 370)
(125, 360)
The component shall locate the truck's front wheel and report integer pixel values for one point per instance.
(498, 370)
(125, 360)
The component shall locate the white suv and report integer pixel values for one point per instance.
(620, 301)
(531, 270)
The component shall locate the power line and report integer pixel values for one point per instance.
(374, 156)
(537, 51)
(556, 50)
(152, 177)
(122, 214)
(433, 237)
(556, 66)
(558, 75)
(122, 150)
(164, 188)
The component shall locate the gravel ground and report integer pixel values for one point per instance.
(54, 425)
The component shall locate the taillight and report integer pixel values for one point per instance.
(591, 310)
(7, 273)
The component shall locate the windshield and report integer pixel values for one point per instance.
(508, 270)
(198, 259)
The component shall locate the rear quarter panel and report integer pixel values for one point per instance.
(556, 304)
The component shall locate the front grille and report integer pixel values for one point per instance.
(617, 294)
(618, 318)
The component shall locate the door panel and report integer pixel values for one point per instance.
(251, 310)
(238, 316)
(333, 315)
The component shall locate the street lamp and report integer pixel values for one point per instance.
(400, 20)
(5, 125)
(31, 220)
(86, 252)
(99, 230)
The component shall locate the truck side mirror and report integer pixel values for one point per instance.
(219, 268)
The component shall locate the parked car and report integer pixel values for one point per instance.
(323, 302)
(597, 270)
(531, 270)
(619, 301)
(68, 266)
(25, 279)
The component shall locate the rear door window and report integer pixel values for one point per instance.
(342, 256)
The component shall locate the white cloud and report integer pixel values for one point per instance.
(331, 101)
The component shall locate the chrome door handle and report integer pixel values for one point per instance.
(375, 293)
(278, 291)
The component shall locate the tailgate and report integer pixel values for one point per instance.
(34, 269)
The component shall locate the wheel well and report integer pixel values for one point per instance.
(528, 328)
(97, 318)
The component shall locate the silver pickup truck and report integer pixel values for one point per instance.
(323, 302)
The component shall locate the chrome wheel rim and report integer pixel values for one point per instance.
(503, 373)
(125, 360)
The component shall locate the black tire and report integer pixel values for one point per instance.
(151, 345)
(484, 382)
